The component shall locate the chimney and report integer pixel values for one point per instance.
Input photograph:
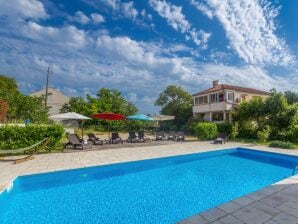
(215, 83)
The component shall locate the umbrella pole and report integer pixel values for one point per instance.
(82, 127)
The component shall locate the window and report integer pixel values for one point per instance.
(205, 99)
(196, 100)
(221, 97)
(214, 98)
(230, 96)
(201, 100)
(217, 116)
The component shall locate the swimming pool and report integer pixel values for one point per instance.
(163, 190)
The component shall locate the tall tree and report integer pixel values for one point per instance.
(176, 101)
(292, 97)
(106, 100)
(21, 107)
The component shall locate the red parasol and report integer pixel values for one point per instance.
(109, 116)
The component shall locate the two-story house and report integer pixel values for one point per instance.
(216, 103)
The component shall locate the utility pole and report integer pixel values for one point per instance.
(47, 89)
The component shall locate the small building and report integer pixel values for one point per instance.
(217, 103)
(55, 101)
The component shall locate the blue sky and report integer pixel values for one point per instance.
(140, 47)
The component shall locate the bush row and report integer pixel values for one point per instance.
(13, 137)
(283, 145)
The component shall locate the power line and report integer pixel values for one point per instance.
(11, 46)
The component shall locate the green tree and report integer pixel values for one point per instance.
(176, 101)
(76, 104)
(106, 100)
(9, 92)
(291, 97)
(21, 107)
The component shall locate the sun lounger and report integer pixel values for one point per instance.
(142, 136)
(171, 136)
(160, 136)
(30, 150)
(180, 136)
(221, 138)
(75, 142)
(95, 141)
(115, 139)
(133, 138)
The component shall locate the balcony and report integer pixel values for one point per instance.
(212, 107)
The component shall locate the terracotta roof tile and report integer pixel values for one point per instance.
(231, 87)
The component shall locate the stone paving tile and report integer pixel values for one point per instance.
(289, 208)
(266, 208)
(196, 219)
(243, 201)
(284, 218)
(230, 220)
(213, 214)
(257, 195)
(229, 207)
(217, 222)
(251, 215)
(274, 200)
(270, 222)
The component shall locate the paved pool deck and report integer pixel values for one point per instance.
(276, 204)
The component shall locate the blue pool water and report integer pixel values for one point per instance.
(163, 190)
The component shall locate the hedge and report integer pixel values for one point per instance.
(283, 145)
(206, 131)
(13, 137)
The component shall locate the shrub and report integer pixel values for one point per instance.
(292, 134)
(225, 127)
(263, 135)
(235, 130)
(206, 130)
(12, 137)
(283, 145)
(247, 130)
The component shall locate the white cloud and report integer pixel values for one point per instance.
(80, 17)
(122, 9)
(97, 18)
(175, 18)
(16, 9)
(250, 29)
(203, 8)
(66, 36)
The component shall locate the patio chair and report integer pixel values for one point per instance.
(95, 141)
(75, 142)
(171, 136)
(142, 136)
(115, 139)
(30, 150)
(133, 138)
(221, 138)
(180, 136)
(160, 136)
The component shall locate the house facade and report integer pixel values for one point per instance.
(55, 101)
(217, 103)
